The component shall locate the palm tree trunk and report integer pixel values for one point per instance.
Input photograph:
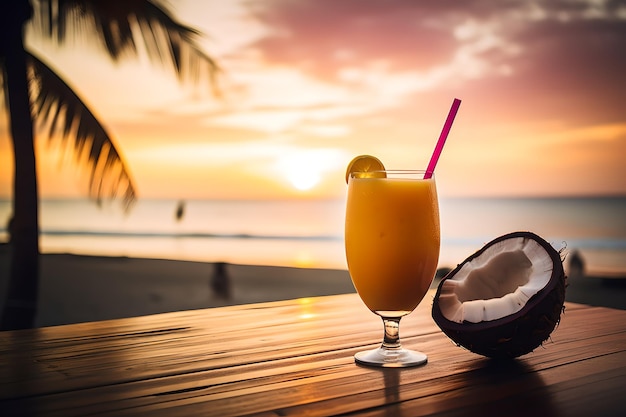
(21, 304)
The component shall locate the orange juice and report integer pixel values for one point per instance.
(392, 241)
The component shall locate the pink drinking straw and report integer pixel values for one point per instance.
(442, 138)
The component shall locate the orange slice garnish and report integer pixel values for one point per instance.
(367, 166)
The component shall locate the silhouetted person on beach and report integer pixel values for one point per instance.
(576, 265)
(180, 210)
(220, 281)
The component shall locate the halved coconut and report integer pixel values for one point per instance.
(504, 300)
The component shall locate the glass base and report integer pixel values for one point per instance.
(391, 358)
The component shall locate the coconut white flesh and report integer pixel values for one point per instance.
(497, 283)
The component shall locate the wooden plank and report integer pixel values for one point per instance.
(581, 390)
(139, 345)
(287, 355)
(288, 371)
(142, 362)
(361, 389)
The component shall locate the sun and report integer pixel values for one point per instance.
(304, 180)
(305, 169)
(302, 170)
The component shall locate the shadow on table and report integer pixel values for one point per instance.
(504, 387)
(488, 387)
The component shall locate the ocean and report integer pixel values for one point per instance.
(309, 233)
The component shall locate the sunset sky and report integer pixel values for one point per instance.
(308, 84)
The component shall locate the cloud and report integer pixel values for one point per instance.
(224, 154)
(325, 36)
(564, 49)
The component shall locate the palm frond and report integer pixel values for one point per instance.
(118, 26)
(57, 106)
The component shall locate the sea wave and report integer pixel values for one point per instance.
(191, 235)
(558, 243)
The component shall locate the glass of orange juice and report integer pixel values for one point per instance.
(392, 241)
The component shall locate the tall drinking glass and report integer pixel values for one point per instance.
(392, 243)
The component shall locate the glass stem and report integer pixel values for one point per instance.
(392, 333)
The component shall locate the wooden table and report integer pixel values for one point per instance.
(295, 358)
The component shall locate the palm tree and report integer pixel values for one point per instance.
(35, 93)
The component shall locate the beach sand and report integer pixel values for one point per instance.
(79, 288)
